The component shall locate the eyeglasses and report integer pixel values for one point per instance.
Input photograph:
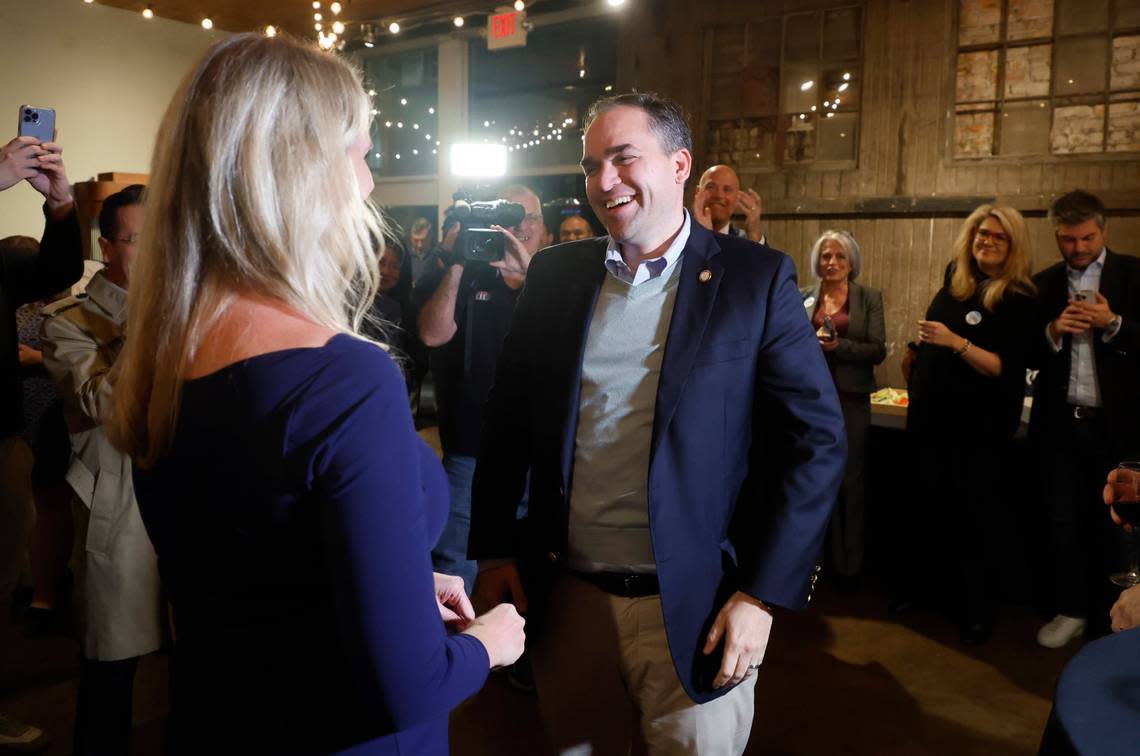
(531, 218)
(996, 236)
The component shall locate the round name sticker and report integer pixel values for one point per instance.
(973, 317)
(809, 301)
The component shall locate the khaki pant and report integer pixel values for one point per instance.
(17, 512)
(603, 669)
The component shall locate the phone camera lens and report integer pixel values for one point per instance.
(35, 117)
(27, 119)
(27, 111)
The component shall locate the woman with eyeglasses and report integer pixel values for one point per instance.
(848, 320)
(966, 390)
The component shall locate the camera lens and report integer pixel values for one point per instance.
(27, 119)
(27, 111)
(36, 117)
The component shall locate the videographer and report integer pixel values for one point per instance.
(464, 314)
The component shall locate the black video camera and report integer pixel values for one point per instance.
(476, 241)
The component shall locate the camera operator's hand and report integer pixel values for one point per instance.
(19, 160)
(51, 181)
(516, 259)
(447, 252)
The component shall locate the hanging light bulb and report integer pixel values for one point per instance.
(318, 17)
(316, 4)
(271, 31)
(207, 23)
(148, 12)
(394, 27)
(458, 21)
(520, 5)
(338, 27)
(335, 8)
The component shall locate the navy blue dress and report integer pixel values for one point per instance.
(294, 519)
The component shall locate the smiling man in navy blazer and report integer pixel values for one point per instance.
(684, 443)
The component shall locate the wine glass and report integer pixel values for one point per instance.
(1126, 504)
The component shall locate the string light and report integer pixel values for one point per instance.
(148, 12)
(207, 23)
(89, 1)
(316, 4)
(335, 8)
(403, 100)
(338, 27)
(271, 31)
(458, 21)
(318, 17)
(394, 27)
(318, 26)
(520, 5)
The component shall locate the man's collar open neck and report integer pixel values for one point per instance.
(635, 255)
(1100, 258)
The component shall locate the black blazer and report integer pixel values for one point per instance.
(1117, 362)
(747, 450)
(853, 362)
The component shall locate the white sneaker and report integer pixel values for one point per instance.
(1060, 630)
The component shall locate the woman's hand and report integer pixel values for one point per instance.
(933, 332)
(829, 345)
(454, 606)
(501, 633)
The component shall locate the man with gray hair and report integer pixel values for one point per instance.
(1086, 410)
(684, 444)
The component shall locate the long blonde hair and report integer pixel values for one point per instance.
(1015, 272)
(252, 191)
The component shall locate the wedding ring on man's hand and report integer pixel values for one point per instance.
(754, 666)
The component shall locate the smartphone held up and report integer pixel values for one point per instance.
(37, 122)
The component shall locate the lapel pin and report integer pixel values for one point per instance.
(705, 276)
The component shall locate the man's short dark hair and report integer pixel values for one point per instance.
(109, 214)
(1075, 208)
(23, 244)
(420, 225)
(666, 117)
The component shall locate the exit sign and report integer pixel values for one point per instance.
(506, 28)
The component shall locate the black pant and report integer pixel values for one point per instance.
(103, 713)
(1087, 546)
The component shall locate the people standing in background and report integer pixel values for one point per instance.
(966, 389)
(848, 321)
(718, 197)
(573, 228)
(27, 275)
(1086, 407)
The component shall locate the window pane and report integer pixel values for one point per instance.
(1029, 19)
(728, 48)
(837, 88)
(973, 134)
(540, 87)
(1077, 16)
(1077, 128)
(799, 138)
(1025, 128)
(801, 87)
(406, 86)
(1027, 71)
(979, 21)
(1124, 127)
(1127, 14)
(1126, 63)
(837, 137)
(841, 34)
(759, 90)
(801, 38)
(1081, 65)
(744, 144)
(977, 76)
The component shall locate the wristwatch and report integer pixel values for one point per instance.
(1114, 324)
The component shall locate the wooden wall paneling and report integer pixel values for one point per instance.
(829, 184)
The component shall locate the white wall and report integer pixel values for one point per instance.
(108, 73)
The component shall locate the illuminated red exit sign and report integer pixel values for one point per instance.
(506, 28)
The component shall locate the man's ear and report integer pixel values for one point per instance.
(682, 165)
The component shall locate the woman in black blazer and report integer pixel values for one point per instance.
(849, 323)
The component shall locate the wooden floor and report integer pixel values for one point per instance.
(839, 679)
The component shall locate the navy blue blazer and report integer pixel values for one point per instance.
(748, 446)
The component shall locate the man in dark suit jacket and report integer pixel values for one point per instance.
(684, 443)
(1086, 407)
